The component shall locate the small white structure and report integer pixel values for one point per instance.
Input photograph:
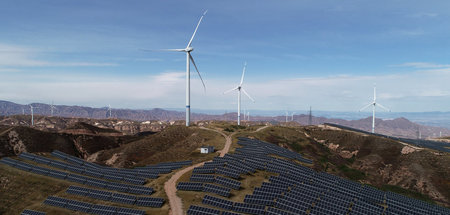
(206, 149)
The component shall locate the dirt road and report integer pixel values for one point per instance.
(176, 205)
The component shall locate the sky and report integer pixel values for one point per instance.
(325, 54)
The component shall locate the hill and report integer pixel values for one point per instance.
(381, 162)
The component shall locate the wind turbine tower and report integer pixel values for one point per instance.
(32, 114)
(292, 116)
(52, 108)
(374, 104)
(109, 109)
(239, 89)
(189, 59)
(310, 116)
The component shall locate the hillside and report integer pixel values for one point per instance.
(384, 163)
(17, 139)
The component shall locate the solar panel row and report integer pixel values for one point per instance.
(190, 186)
(31, 212)
(90, 208)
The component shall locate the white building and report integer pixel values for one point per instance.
(206, 149)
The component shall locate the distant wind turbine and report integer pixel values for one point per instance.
(32, 114)
(292, 118)
(287, 116)
(52, 107)
(239, 89)
(189, 59)
(109, 109)
(373, 104)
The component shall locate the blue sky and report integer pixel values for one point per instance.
(327, 54)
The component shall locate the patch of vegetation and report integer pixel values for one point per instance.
(296, 147)
(351, 173)
(352, 159)
(233, 128)
(410, 193)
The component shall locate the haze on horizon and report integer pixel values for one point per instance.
(323, 54)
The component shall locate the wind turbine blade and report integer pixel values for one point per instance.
(247, 95)
(195, 31)
(243, 72)
(387, 109)
(163, 50)
(366, 106)
(193, 62)
(228, 91)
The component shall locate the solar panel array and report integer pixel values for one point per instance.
(116, 197)
(296, 189)
(90, 208)
(84, 170)
(31, 212)
(128, 188)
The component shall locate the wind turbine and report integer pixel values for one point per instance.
(374, 104)
(189, 59)
(109, 109)
(292, 117)
(52, 107)
(287, 116)
(32, 114)
(239, 89)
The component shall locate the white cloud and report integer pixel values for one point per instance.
(422, 65)
(414, 91)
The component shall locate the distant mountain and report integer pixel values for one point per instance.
(399, 127)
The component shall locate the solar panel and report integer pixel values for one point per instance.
(202, 178)
(129, 211)
(227, 182)
(103, 210)
(150, 202)
(190, 186)
(197, 210)
(217, 202)
(31, 212)
(123, 198)
(222, 191)
(55, 201)
(99, 194)
(248, 208)
(78, 206)
(276, 211)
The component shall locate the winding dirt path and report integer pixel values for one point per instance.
(176, 205)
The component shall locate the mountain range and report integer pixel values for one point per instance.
(399, 127)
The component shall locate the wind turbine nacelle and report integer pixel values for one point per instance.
(189, 49)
